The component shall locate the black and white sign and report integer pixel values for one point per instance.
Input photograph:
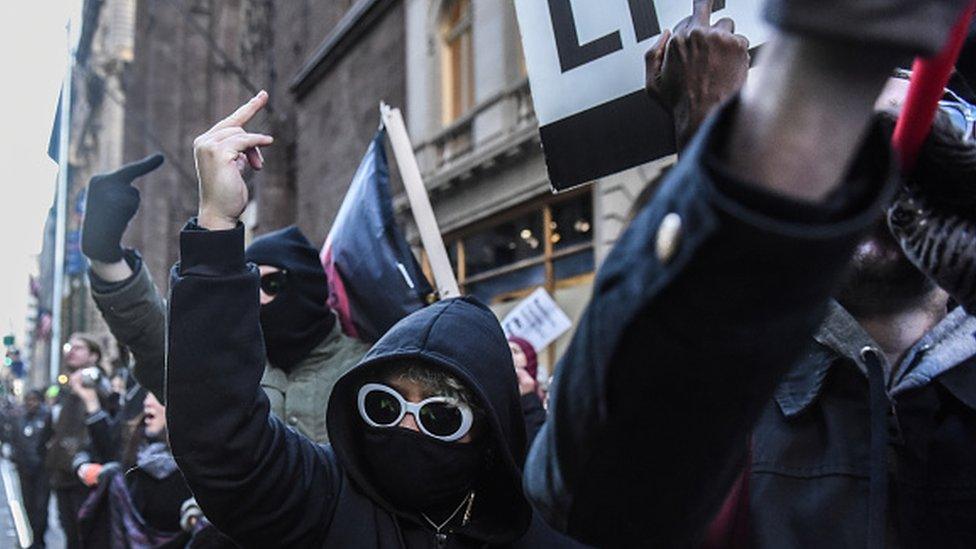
(585, 60)
(537, 319)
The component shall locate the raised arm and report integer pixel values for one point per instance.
(259, 482)
(713, 291)
(121, 285)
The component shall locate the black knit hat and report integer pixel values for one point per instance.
(298, 318)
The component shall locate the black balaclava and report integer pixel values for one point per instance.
(417, 473)
(298, 318)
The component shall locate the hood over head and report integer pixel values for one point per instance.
(463, 338)
(298, 318)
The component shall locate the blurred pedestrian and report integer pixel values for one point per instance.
(527, 370)
(142, 499)
(31, 433)
(70, 438)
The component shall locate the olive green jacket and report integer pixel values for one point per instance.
(299, 397)
(136, 316)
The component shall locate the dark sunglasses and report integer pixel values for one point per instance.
(439, 417)
(274, 283)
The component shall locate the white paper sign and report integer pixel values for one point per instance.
(537, 319)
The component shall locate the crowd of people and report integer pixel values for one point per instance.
(792, 363)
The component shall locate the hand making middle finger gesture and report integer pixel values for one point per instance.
(696, 67)
(221, 154)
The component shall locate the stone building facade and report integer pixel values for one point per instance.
(471, 119)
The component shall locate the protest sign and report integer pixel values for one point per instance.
(585, 60)
(537, 319)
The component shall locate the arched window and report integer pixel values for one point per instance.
(457, 60)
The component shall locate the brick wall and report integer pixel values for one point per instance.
(179, 83)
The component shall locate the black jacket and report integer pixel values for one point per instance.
(683, 343)
(814, 443)
(267, 486)
(29, 437)
(70, 443)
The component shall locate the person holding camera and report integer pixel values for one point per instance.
(70, 440)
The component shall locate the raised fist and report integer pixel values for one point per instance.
(110, 205)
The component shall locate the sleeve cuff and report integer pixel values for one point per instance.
(868, 185)
(103, 287)
(80, 459)
(96, 417)
(211, 253)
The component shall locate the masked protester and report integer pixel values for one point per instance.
(307, 351)
(427, 437)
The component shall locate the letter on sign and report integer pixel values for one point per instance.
(585, 60)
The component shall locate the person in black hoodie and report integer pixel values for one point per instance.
(427, 436)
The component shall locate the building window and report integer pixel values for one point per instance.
(457, 60)
(548, 244)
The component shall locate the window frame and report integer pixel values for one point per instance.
(547, 257)
(456, 45)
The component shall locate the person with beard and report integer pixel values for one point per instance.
(31, 433)
(70, 439)
(307, 350)
(426, 432)
(868, 437)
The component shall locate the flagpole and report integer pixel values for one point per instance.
(423, 213)
(64, 131)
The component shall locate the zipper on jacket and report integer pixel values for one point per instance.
(879, 406)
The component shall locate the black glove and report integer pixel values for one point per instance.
(916, 27)
(111, 203)
(934, 216)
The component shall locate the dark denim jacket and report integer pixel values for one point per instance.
(812, 460)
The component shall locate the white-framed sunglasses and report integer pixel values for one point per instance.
(440, 417)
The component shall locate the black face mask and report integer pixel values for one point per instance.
(417, 473)
(296, 320)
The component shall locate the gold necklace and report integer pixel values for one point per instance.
(468, 500)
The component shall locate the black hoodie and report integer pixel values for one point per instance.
(267, 486)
